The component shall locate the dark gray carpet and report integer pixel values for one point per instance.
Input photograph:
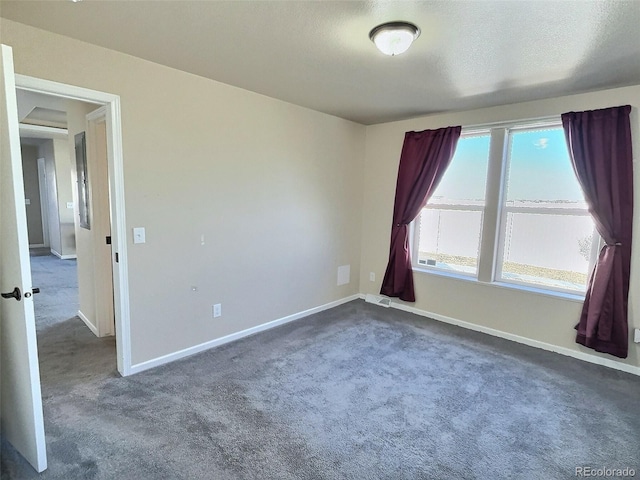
(58, 283)
(356, 392)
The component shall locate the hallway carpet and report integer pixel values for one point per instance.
(58, 283)
(355, 392)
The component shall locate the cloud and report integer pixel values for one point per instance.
(542, 143)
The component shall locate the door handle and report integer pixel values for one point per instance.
(15, 294)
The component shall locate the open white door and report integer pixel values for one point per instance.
(21, 417)
(97, 159)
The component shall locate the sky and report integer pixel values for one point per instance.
(539, 169)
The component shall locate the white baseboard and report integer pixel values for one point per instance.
(63, 257)
(37, 245)
(524, 340)
(171, 357)
(92, 327)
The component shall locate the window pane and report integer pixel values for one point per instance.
(544, 246)
(548, 250)
(449, 239)
(465, 180)
(540, 170)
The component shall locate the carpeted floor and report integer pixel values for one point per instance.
(58, 282)
(356, 392)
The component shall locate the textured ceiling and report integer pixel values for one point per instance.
(471, 54)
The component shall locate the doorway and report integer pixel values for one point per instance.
(109, 121)
(47, 146)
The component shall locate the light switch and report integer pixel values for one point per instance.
(70, 205)
(139, 235)
(27, 201)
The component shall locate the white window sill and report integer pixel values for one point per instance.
(573, 297)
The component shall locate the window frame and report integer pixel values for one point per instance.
(489, 266)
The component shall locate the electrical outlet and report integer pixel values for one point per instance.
(636, 337)
(217, 310)
(372, 276)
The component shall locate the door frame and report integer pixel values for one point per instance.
(117, 205)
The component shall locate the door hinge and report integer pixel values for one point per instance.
(117, 258)
(109, 240)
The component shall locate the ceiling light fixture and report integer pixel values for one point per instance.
(394, 38)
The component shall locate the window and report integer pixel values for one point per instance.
(449, 227)
(547, 232)
(512, 214)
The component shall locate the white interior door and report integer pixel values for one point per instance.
(21, 418)
(102, 254)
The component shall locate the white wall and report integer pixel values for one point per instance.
(541, 318)
(275, 189)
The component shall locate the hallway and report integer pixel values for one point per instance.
(58, 283)
(67, 349)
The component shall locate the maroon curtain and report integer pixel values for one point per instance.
(425, 157)
(599, 143)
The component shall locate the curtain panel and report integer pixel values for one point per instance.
(425, 157)
(599, 144)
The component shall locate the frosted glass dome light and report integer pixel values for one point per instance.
(394, 38)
